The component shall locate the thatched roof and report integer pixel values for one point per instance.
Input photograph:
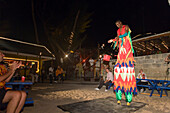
(158, 43)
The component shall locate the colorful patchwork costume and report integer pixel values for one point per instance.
(3, 89)
(3, 70)
(124, 74)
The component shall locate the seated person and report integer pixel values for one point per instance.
(15, 99)
(59, 74)
(142, 75)
(108, 80)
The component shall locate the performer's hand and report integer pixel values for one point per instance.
(111, 40)
(117, 38)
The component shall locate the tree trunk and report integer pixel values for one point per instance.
(34, 21)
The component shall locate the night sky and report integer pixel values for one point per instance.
(142, 16)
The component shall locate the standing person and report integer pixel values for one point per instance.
(91, 61)
(124, 74)
(111, 66)
(15, 99)
(51, 73)
(96, 69)
(103, 72)
(59, 74)
(108, 80)
(79, 66)
(34, 74)
(42, 74)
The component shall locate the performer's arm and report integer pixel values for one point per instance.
(112, 40)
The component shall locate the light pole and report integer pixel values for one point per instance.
(66, 55)
(40, 66)
(100, 57)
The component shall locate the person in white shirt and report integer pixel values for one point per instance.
(142, 75)
(51, 73)
(33, 74)
(96, 69)
(108, 80)
(91, 61)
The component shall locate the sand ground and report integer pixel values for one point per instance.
(46, 97)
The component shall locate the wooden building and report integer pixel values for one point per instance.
(28, 53)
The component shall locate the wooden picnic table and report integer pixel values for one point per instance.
(20, 84)
(21, 87)
(158, 85)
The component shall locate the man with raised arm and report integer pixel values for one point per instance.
(124, 74)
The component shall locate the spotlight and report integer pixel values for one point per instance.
(66, 55)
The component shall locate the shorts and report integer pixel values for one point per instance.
(2, 94)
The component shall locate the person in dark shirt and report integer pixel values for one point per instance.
(34, 74)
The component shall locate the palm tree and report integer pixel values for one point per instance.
(58, 25)
(34, 21)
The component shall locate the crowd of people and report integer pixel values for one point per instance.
(14, 100)
(92, 68)
(56, 75)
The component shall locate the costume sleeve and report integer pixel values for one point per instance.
(130, 40)
(121, 36)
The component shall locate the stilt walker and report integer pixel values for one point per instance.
(124, 74)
